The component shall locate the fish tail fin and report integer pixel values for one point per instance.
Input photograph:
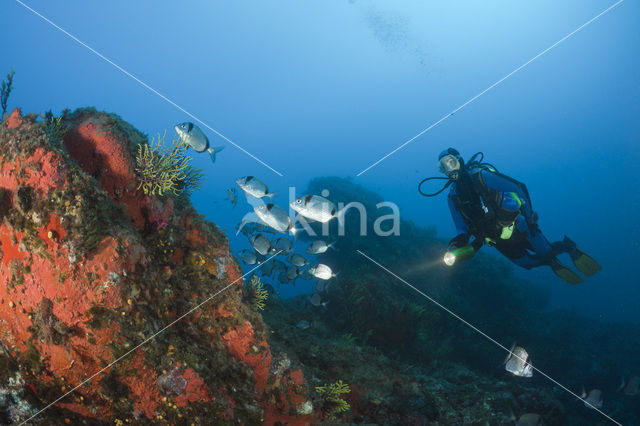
(331, 246)
(213, 151)
(624, 382)
(271, 195)
(240, 226)
(583, 393)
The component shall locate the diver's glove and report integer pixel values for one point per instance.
(458, 241)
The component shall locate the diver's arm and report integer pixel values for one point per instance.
(463, 233)
(461, 227)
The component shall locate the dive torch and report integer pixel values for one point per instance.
(462, 253)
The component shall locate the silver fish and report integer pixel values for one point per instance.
(283, 278)
(303, 324)
(322, 271)
(248, 257)
(316, 300)
(292, 272)
(248, 228)
(592, 399)
(260, 244)
(314, 207)
(231, 195)
(297, 260)
(321, 286)
(195, 138)
(517, 362)
(283, 245)
(279, 266)
(530, 419)
(275, 217)
(319, 247)
(267, 269)
(630, 387)
(253, 186)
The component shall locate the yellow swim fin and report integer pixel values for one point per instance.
(565, 273)
(585, 263)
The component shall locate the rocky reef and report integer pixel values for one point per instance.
(124, 307)
(105, 291)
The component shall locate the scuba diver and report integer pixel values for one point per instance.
(495, 209)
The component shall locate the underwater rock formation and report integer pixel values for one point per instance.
(92, 271)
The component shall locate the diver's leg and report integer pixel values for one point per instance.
(544, 253)
(582, 261)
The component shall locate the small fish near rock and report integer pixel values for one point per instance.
(593, 399)
(195, 138)
(530, 419)
(517, 362)
(248, 257)
(322, 271)
(630, 387)
(303, 324)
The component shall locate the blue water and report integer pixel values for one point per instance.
(327, 88)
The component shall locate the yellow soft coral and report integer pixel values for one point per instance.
(333, 403)
(259, 294)
(161, 169)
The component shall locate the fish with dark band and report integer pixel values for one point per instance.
(292, 272)
(279, 266)
(261, 244)
(195, 138)
(319, 247)
(283, 245)
(267, 269)
(297, 260)
(282, 278)
(517, 362)
(316, 300)
(630, 387)
(303, 324)
(593, 399)
(275, 217)
(248, 257)
(322, 271)
(253, 186)
(314, 207)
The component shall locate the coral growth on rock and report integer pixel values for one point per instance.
(93, 270)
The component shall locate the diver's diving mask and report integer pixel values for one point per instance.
(450, 165)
